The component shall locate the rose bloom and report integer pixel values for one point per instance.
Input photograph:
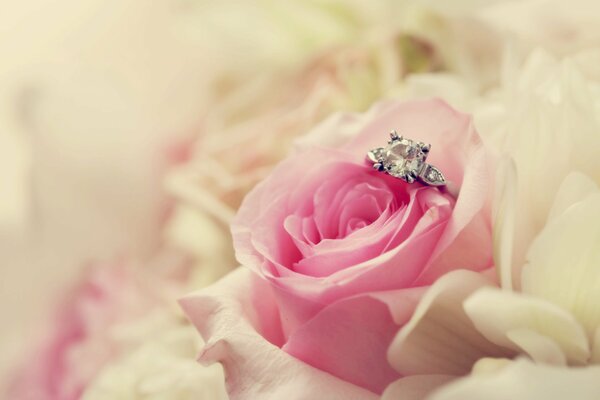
(338, 254)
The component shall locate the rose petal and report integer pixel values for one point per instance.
(239, 323)
(378, 274)
(331, 341)
(332, 256)
(468, 237)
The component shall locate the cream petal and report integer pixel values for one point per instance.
(440, 338)
(563, 262)
(502, 317)
(524, 380)
(544, 23)
(415, 387)
(504, 221)
(489, 365)
(595, 359)
(544, 116)
(573, 189)
(540, 348)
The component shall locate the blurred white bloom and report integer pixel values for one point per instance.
(206, 239)
(119, 335)
(560, 27)
(473, 35)
(545, 117)
(244, 39)
(93, 97)
(163, 365)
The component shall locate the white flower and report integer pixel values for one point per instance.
(473, 35)
(466, 324)
(85, 121)
(539, 328)
(544, 116)
(161, 366)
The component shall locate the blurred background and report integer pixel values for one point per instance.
(130, 130)
(99, 101)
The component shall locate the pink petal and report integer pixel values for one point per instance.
(237, 318)
(468, 235)
(394, 269)
(350, 338)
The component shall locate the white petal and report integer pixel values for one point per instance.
(440, 338)
(489, 365)
(540, 348)
(523, 380)
(595, 359)
(544, 117)
(574, 188)
(564, 262)
(504, 221)
(503, 316)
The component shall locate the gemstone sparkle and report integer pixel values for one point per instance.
(404, 159)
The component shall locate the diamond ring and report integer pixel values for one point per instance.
(405, 159)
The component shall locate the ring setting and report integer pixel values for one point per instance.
(405, 159)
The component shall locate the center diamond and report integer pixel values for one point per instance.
(404, 159)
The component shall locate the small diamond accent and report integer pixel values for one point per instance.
(432, 176)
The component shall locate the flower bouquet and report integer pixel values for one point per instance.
(396, 200)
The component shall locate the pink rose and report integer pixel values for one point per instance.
(340, 254)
